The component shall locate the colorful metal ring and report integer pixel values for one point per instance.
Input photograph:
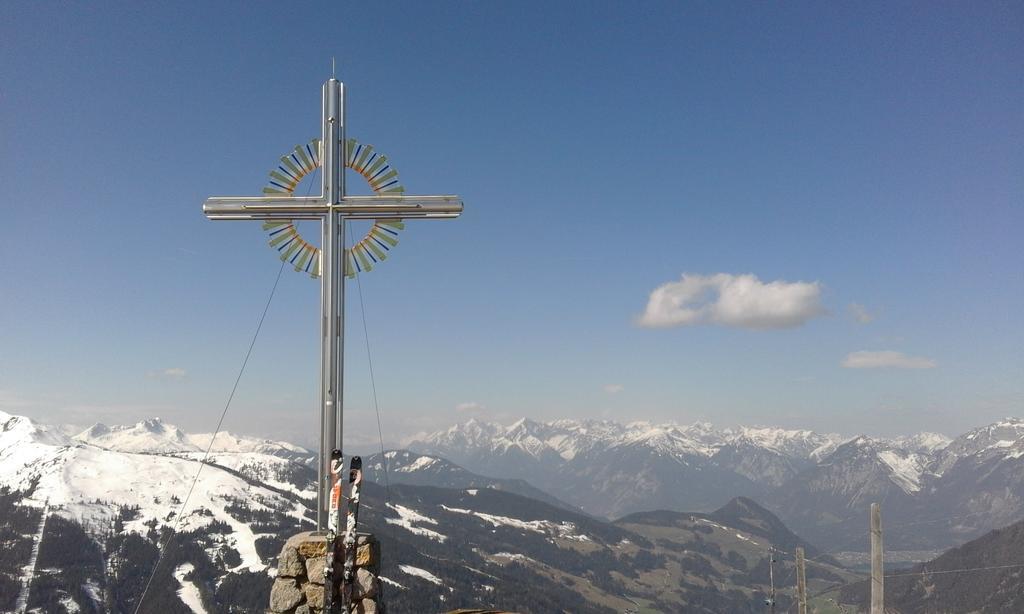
(372, 248)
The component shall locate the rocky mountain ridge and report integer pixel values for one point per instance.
(819, 483)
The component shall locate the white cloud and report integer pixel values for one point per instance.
(470, 407)
(886, 360)
(741, 301)
(173, 373)
(614, 388)
(860, 313)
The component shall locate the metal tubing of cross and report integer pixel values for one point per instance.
(332, 290)
(366, 207)
(389, 207)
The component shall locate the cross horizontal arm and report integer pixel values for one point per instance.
(406, 207)
(263, 208)
(351, 207)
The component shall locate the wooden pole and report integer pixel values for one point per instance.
(801, 582)
(877, 571)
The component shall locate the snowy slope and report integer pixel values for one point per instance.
(88, 484)
(154, 436)
(1003, 439)
(149, 436)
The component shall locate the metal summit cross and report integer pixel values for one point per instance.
(278, 208)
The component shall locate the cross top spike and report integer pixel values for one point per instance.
(278, 209)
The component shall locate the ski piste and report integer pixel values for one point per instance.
(333, 522)
(355, 478)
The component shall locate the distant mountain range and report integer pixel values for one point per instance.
(80, 524)
(153, 436)
(115, 488)
(939, 491)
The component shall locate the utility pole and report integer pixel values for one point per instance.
(877, 572)
(801, 581)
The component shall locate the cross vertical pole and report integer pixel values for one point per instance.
(332, 290)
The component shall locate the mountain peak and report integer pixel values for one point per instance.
(153, 425)
(744, 507)
(14, 429)
(1003, 439)
(152, 435)
(523, 425)
(748, 515)
(97, 430)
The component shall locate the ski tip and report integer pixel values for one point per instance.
(357, 463)
(335, 454)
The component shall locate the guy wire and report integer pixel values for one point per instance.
(181, 511)
(373, 383)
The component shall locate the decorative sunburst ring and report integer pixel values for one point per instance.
(373, 247)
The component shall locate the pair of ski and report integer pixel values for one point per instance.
(348, 541)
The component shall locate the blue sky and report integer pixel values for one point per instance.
(869, 155)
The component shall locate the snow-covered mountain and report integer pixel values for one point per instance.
(816, 481)
(81, 524)
(613, 469)
(153, 436)
(1004, 439)
(571, 438)
(935, 492)
(92, 485)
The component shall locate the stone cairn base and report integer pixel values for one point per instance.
(299, 587)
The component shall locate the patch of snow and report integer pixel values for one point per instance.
(29, 570)
(471, 492)
(564, 444)
(420, 573)
(406, 518)
(69, 605)
(410, 514)
(420, 463)
(512, 556)
(188, 593)
(457, 510)
(747, 539)
(95, 593)
(564, 530)
(906, 471)
(391, 582)
(714, 524)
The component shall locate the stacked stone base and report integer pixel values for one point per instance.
(299, 587)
